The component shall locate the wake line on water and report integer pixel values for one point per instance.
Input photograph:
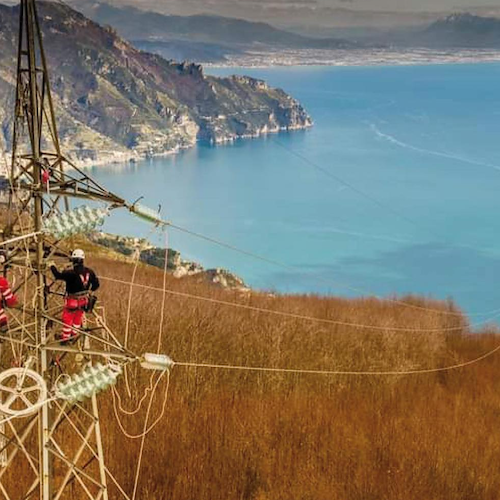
(379, 237)
(440, 154)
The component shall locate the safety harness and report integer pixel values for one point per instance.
(79, 300)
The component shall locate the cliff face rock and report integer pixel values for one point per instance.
(115, 101)
(179, 267)
(253, 109)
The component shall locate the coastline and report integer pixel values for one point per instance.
(356, 58)
(398, 58)
(131, 156)
(135, 156)
(141, 250)
(326, 240)
(306, 58)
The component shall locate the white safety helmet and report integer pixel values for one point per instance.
(78, 254)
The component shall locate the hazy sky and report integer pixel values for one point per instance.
(391, 5)
(320, 14)
(415, 5)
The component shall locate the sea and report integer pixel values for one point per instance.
(394, 191)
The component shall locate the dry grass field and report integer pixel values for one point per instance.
(245, 435)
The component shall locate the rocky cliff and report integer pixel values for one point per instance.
(176, 265)
(114, 101)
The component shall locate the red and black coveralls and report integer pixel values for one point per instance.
(8, 299)
(79, 281)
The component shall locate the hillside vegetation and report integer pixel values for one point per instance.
(260, 436)
(115, 101)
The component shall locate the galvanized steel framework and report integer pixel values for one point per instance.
(58, 449)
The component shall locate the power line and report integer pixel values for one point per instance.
(424, 371)
(298, 316)
(289, 267)
(356, 190)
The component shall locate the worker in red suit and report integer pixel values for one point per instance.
(7, 296)
(46, 170)
(80, 282)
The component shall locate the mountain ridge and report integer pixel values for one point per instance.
(288, 15)
(115, 101)
(459, 30)
(136, 24)
(464, 29)
(212, 38)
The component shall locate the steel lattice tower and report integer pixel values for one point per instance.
(39, 440)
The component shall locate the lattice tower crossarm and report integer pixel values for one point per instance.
(42, 183)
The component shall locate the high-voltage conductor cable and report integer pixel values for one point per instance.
(290, 267)
(301, 316)
(353, 188)
(347, 373)
(154, 218)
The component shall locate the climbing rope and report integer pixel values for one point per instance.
(152, 387)
(137, 257)
(146, 430)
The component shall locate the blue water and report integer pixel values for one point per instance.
(395, 189)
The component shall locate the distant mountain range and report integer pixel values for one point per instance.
(230, 33)
(462, 31)
(456, 31)
(308, 16)
(182, 50)
(214, 39)
(114, 100)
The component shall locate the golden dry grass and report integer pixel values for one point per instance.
(237, 435)
(268, 436)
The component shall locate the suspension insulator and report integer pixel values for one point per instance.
(159, 362)
(148, 214)
(90, 381)
(79, 221)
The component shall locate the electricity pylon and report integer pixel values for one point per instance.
(54, 442)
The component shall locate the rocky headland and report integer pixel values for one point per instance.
(115, 102)
(147, 253)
